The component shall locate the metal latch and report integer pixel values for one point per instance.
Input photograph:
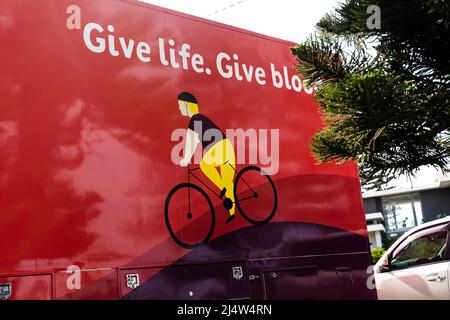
(5, 291)
(253, 277)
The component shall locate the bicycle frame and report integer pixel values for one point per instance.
(190, 172)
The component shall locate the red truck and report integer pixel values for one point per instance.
(149, 154)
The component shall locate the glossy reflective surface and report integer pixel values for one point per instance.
(85, 139)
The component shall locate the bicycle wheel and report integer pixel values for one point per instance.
(189, 215)
(255, 195)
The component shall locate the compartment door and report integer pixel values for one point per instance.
(294, 284)
(32, 287)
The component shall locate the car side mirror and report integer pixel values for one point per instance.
(387, 266)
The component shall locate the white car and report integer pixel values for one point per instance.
(417, 265)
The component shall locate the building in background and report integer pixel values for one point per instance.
(376, 229)
(402, 209)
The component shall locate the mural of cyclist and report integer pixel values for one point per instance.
(218, 150)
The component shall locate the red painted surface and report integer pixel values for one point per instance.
(85, 144)
(98, 284)
(36, 287)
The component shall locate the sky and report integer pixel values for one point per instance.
(291, 20)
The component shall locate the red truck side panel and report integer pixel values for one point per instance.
(86, 155)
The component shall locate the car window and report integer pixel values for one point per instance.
(426, 249)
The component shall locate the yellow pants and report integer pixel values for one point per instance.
(221, 155)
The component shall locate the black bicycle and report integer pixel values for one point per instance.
(255, 198)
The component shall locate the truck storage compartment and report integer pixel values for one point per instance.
(224, 280)
(27, 287)
(93, 284)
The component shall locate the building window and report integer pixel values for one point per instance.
(402, 212)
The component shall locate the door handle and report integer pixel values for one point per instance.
(435, 277)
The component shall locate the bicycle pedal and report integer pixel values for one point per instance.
(230, 218)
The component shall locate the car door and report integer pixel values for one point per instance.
(418, 268)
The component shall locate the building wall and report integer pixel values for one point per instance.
(435, 202)
(372, 240)
(372, 205)
(379, 204)
(375, 240)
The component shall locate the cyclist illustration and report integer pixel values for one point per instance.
(219, 152)
(188, 210)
